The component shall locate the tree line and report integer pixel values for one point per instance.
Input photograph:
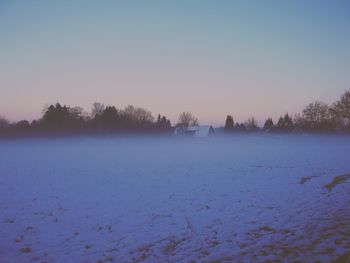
(315, 117)
(62, 119)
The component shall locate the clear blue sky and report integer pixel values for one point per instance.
(213, 58)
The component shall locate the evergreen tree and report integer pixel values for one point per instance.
(229, 123)
(251, 124)
(285, 123)
(268, 126)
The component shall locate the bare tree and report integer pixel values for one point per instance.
(299, 122)
(187, 119)
(342, 107)
(138, 114)
(143, 115)
(129, 112)
(316, 115)
(97, 109)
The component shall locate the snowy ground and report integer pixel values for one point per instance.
(246, 198)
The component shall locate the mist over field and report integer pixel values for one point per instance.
(239, 198)
(190, 131)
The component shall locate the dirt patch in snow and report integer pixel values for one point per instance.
(304, 179)
(340, 179)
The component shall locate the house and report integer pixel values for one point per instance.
(195, 131)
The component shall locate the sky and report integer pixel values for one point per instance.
(212, 58)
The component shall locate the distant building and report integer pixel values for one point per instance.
(195, 131)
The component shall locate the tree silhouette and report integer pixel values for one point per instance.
(229, 123)
(22, 126)
(57, 116)
(187, 119)
(341, 108)
(3, 122)
(285, 123)
(58, 119)
(137, 117)
(107, 119)
(97, 109)
(268, 126)
(163, 124)
(251, 124)
(316, 116)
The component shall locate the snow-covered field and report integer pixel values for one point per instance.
(245, 198)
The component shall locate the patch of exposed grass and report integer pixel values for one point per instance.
(340, 179)
(215, 243)
(285, 231)
(19, 239)
(304, 179)
(267, 229)
(29, 229)
(343, 258)
(26, 250)
(88, 246)
(172, 245)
